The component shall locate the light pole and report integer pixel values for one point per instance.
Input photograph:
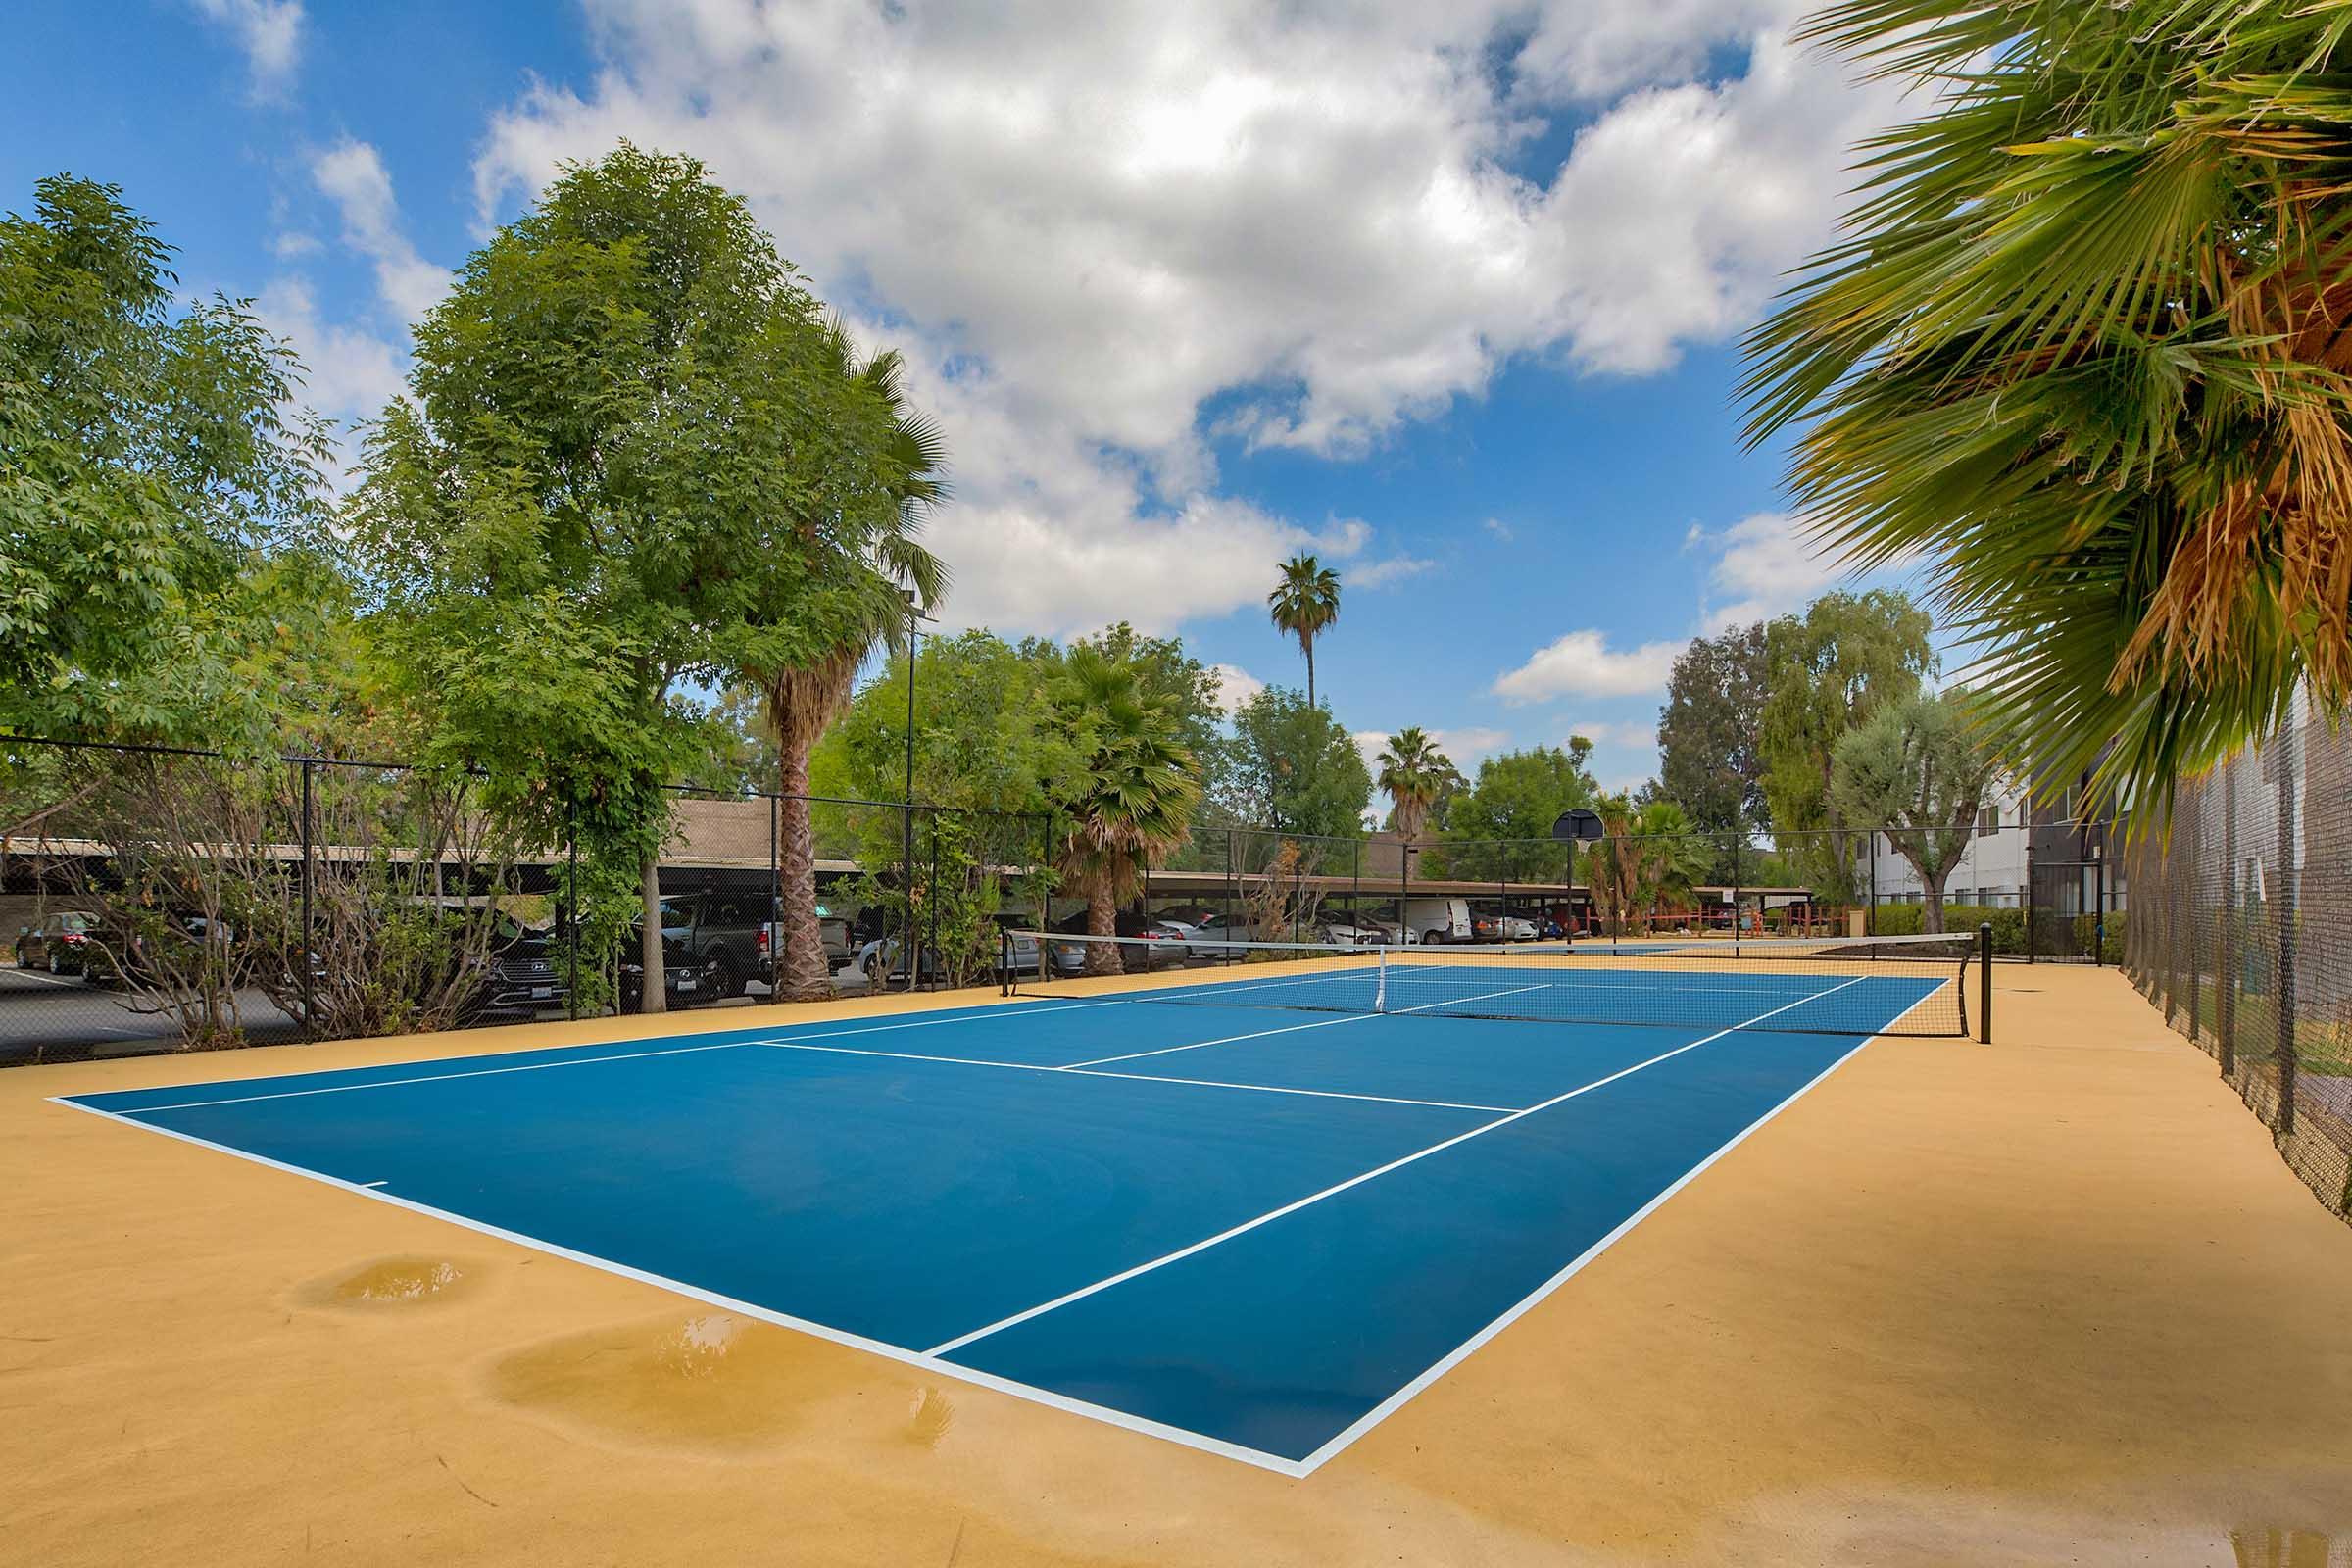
(909, 945)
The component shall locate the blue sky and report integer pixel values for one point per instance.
(1454, 300)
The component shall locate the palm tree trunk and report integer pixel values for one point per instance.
(655, 996)
(1102, 920)
(802, 971)
(1309, 646)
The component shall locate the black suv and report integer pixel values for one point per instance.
(709, 941)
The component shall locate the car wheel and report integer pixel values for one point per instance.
(55, 967)
(730, 980)
(1433, 939)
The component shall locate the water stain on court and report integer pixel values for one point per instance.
(392, 1283)
(709, 1382)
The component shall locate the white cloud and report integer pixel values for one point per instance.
(269, 31)
(1582, 663)
(1633, 732)
(1500, 529)
(1236, 687)
(1369, 743)
(1769, 567)
(1380, 573)
(1088, 224)
(1465, 747)
(354, 177)
(348, 373)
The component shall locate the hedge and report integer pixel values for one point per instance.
(2008, 926)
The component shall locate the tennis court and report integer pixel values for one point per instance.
(1255, 1222)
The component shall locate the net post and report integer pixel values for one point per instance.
(1380, 987)
(1984, 983)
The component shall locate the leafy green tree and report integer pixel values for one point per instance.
(739, 756)
(1128, 804)
(1305, 604)
(631, 458)
(1501, 825)
(1296, 770)
(989, 741)
(2081, 348)
(1828, 671)
(1412, 773)
(149, 476)
(1922, 768)
(1708, 757)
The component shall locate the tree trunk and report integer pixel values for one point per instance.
(1931, 886)
(1102, 920)
(804, 974)
(1309, 648)
(655, 992)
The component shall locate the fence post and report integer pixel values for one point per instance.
(1736, 836)
(2098, 923)
(775, 892)
(1870, 921)
(2224, 979)
(1984, 983)
(571, 897)
(931, 916)
(310, 1000)
(2287, 904)
(2033, 940)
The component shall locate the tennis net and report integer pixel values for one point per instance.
(1901, 985)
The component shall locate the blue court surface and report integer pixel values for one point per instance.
(1250, 1229)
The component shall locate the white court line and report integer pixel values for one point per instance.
(959, 1342)
(1461, 1352)
(371, 1183)
(434, 1077)
(1137, 1077)
(1294, 1028)
(914, 1358)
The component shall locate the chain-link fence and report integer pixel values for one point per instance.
(2241, 932)
(156, 898)
(162, 898)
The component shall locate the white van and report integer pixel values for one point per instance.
(1435, 920)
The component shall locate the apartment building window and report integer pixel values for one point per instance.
(1988, 821)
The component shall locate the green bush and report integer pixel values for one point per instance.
(2008, 926)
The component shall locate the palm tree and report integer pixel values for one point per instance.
(1305, 604)
(1131, 806)
(1412, 773)
(2085, 346)
(871, 606)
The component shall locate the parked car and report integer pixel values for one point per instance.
(882, 961)
(1357, 933)
(63, 944)
(523, 976)
(833, 930)
(718, 932)
(1144, 942)
(1502, 929)
(1434, 920)
(690, 972)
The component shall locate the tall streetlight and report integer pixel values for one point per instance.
(909, 944)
